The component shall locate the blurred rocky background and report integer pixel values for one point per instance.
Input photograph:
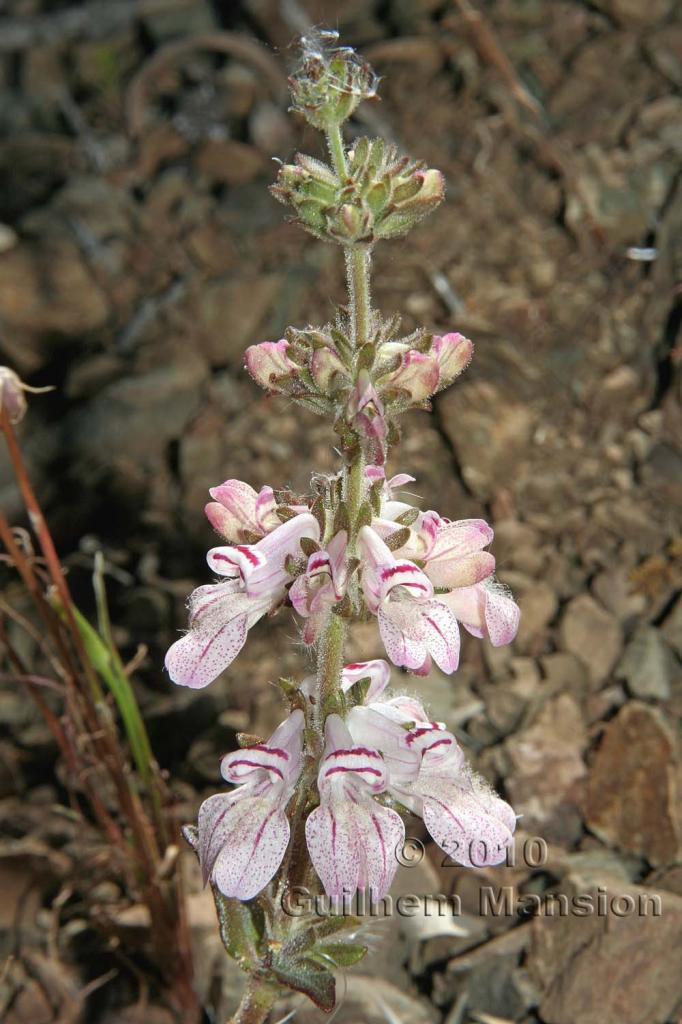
(140, 252)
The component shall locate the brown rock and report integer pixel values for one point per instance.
(593, 635)
(630, 792)
(48, 287)
(547, 768)
(538, 607)
(230, 313)
(489, 445)
(609, 969)
(229, 161)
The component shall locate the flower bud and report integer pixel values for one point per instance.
(365, 410)
(453, 353)
(327, 369)
(413, 198)
(330, 82)
(416, 377)
(12, 400)
(268, 362)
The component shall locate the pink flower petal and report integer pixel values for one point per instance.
(464, 571)
(266, 510)
(417, 375)
(278, 760)
(453, 352)
(198, 657)
(441, 635)
(328, 369)
(255, 840)
(377, 671)
(267, 361)
(343, 758)
(333, 848)
(473, 831)
(354, 845)
(502, 615)
(401, 649)
(240, 560)
(463, 537)
(381, 835)
(233, 509)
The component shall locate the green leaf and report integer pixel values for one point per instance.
(407, 517)
(366, 357)
(375, 492)
(106, 661)
(338, 954)
(333, 925)
(308, 977)
(309, 546)
(397, 539)
(364, 516)
(242, 926)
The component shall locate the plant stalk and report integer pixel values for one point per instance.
(256, 1003)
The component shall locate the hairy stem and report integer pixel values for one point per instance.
(329, 666)
(358, 259)
(256, 1003)
(336, 149)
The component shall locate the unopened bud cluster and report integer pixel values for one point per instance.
(330, 81)
(382, 195)
(363, 390)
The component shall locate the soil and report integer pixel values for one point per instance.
(140, 252)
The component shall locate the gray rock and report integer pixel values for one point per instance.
(648, 665)
(593, 635)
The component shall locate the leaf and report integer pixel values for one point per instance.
(408, 517)
(309, 546)
(308, 977)
(340, 923)
(339, 954)
(364, 516)
(241, 925)
(248, 739)
(366, 357)
(375, 496)
(398, 539)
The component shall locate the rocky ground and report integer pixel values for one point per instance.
(141, 253)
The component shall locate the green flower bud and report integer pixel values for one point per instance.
(330, 82)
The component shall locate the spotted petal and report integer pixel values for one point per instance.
(219, 619)
(354, 846)
(253, 836)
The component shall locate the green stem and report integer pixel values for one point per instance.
(329, 666)
(256, 1003)
(358, 259)
(338, 153)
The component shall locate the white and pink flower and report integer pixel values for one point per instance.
(453, 559)
(352, 839)
(238, 512)
(453, 354)
(269, 361)
(415, 626)
(321, 585)
(243, 835)
(221, 614)
(428, 774)
(365, 410)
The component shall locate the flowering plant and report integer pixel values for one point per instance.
(327, 794)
